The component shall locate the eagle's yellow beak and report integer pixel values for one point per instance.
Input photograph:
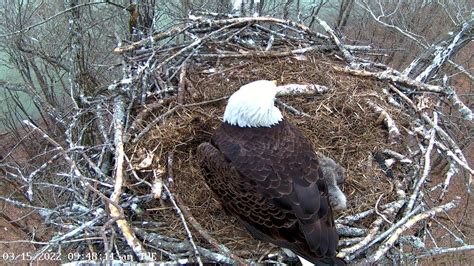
(274, 82)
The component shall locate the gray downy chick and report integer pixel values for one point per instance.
(334, 175)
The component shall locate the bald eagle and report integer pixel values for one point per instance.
(265, 173)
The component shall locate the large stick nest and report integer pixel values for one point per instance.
(183, 86)
(341, 126)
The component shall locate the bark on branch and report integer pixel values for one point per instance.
(115, 212)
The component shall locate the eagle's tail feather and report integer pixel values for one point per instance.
(323, 262)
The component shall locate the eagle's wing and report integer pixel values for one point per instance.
(238, 197)
(270, 179)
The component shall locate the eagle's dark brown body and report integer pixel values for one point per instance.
(270, 179)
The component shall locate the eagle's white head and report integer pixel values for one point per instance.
(253, 105)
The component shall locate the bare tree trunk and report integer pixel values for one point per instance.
(238, 7)
(147, 13)
(248, 7)
(76, 51)
(259, 6)
(286, 9)
(315, 11)
(344, 12)
(83, 83)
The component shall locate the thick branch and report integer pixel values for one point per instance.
(301, 89)
(115, 213)
(393, 132)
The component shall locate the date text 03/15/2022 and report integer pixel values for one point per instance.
(72, 256)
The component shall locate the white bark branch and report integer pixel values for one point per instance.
(426, 167)
(410, 223)
(348, 220)
(442, 251)
(115, 212)
(347, 55)
(393, 131)
(301, 89)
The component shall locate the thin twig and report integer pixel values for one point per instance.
(220, 247)
(185, 225)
